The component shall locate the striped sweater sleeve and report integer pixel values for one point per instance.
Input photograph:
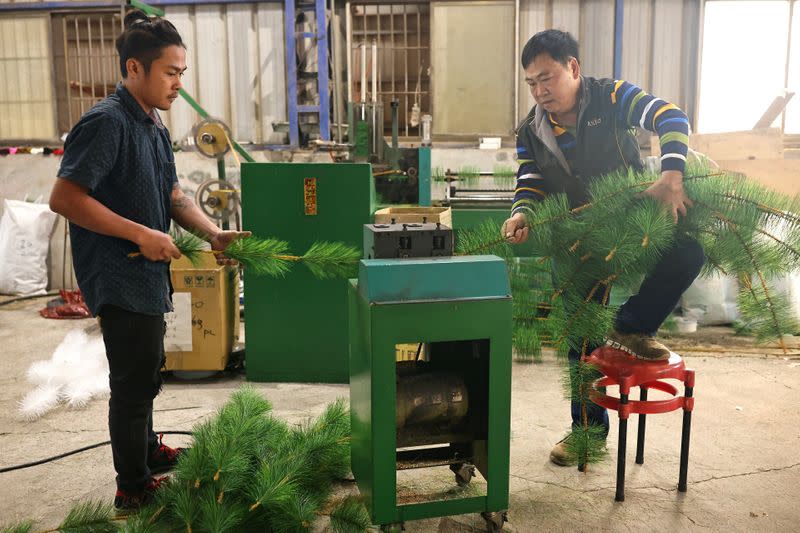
(636, 108)
(529, 181)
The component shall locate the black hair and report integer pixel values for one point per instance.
(559, 45)
(144, 38)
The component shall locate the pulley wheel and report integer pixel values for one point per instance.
(217, 199)
(211, 138)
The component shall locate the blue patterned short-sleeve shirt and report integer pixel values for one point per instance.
(124, 157)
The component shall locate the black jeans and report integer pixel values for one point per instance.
(135, 351)
(645, 311)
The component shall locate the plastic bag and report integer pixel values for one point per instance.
(25, 230)
(712, 300)
(70, 305)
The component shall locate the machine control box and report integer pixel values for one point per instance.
(402, 241)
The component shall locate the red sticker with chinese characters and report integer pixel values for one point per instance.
(310, 196)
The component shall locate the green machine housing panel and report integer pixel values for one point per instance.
(296, 327)
(475, 317)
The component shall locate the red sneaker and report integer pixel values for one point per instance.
(134, 500)
(163, 458)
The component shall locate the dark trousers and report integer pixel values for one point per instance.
(135, 351)
(645, 311)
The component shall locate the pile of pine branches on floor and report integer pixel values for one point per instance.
(245, 471)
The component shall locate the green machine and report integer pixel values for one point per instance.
(296, 327)
(451, 406)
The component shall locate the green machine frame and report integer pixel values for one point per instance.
(460, 307)
(296, 327)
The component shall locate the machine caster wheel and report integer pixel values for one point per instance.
(464, 473)
(495, 521)
(393, 528)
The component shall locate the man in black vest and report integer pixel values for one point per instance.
(582, 128)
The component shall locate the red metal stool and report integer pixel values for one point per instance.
(620, 368)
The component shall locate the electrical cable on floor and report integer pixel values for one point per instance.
(29, 297)
(79, 450)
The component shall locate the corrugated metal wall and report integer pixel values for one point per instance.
(26, 86)
(237, 71)
(658, 46)
(237, 62)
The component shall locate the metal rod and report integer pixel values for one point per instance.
(349, 38)
(322, 72)
(91, 57)
(374, 73)
(391, 27)
(375, 52)
(788, 63)
(419, 62)
(363, 48)
(623, 438)
(641, 428)
(291, 68)
(685, 435)
(103, 58)
(405, 60)
(395, 126)
(147, 8)
(364, 40)
(516, 58)
(78, 60)
(204, 114)
(619, 17)
(64, 254)
(374, 69)
(66, 70)
(337, 74)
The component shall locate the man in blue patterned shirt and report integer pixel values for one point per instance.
(581, 129)
(118, 188)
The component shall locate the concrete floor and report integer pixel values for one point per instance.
(744, 470)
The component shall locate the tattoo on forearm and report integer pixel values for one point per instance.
(182, 202)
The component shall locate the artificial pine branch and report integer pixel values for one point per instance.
(89, 517)
(145, 521)
(350, 516)
(586, 445)
(25, 526)
(576, 375)
(331, 259)
(246, 471)
(295, 515)
(485, 239)
(262, 257)
(527, 344)
(504, 177)
(190, 245)
(271, 257)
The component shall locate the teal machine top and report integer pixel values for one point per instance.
(438, 278)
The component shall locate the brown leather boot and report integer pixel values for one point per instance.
(639, 345)
(559, 454)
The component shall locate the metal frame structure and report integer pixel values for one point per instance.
(397, 41)
(320, 36)
(91, 68)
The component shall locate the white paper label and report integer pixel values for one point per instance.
(178, 337)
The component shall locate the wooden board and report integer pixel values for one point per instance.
(738, 145)
(783, 175)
